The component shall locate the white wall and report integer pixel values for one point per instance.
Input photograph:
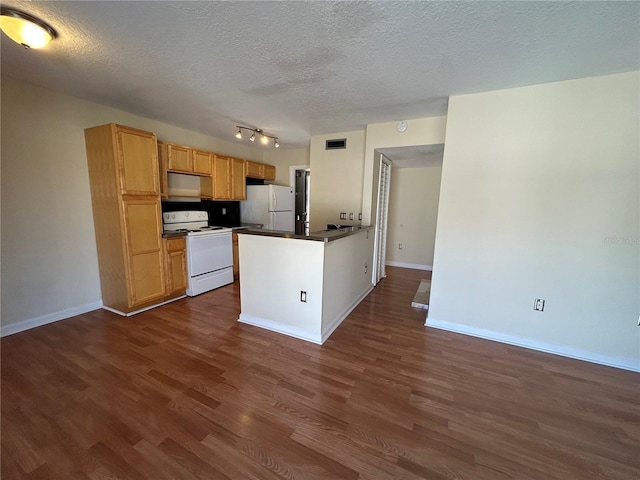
(540, 199)
(413, 210)
(336, 179)
(283, 159)
(49, 260)
(421, 131)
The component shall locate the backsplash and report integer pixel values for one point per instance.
(221, 213)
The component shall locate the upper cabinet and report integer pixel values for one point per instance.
(238, 182)
(202, 162)
(178, 157)
(269, 172)
(261, 171)
(221, 177)
(137, 161)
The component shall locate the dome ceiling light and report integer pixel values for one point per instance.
(25, 29)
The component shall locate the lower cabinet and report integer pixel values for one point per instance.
(236, 257)
(176, 266)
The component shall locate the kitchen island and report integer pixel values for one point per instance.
(303, 285)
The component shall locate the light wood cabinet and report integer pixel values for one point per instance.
(260, 171)
(125, 194)
(238, 179)
(255, 169)
(236, 256)
(135, 158)
(179, 157)
(269, 172)
(176, 265)
(221, 177)
(201, 162)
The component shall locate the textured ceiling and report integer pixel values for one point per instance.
(297, 69)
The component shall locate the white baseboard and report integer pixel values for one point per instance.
(335, 323)
(125, 314)
(23, 325)
(562, 350)
(415, 266)
(280, 328)
(299, 332)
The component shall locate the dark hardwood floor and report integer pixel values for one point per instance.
(186, 392)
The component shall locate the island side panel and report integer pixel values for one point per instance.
(273, 272)
(347, 278)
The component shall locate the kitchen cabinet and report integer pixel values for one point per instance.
(125, 196)
(236, 257)
(221, 177)
(238, 182)
(260, 171)
(201, 162)
(255, 169)
(179, 157)
(176, 265)
(269, 172)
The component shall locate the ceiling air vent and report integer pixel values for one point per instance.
(336, 144)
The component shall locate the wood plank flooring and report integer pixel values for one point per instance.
(186, 392)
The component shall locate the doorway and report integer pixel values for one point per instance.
(383, 209)
(301, 185)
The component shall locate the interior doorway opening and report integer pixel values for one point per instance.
(301, 182)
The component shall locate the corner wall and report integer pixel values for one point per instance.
(49, 259)
(540, 199)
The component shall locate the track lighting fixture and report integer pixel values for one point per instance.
(264, 137)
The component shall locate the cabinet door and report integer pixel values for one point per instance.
(255, 170)
(137, 161)
(179, 158)
(269, 172)
(238, 179)
(145, 263)
(201, 162)
(221, 178)
(176, 257)
(236, 257)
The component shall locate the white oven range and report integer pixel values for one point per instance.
(209, 250)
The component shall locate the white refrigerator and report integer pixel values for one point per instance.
(270, 205)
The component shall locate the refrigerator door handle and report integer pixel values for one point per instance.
(274, 199)
(272, 222)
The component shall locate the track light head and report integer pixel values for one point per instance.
(264, 139)
(276, 144)
(239, 134)
(253, 137)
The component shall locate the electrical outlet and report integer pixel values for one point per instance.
(538, 305)
(359, 216)
(365, 268)
(351, 216)
(303, 296)
(399, 246)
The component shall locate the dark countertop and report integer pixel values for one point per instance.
(174, 234)
(319, 236)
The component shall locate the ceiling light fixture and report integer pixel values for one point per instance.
(264, 137)
(25, 29)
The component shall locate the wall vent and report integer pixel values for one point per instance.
(336, 144)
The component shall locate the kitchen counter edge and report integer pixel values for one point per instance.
(319, 236)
